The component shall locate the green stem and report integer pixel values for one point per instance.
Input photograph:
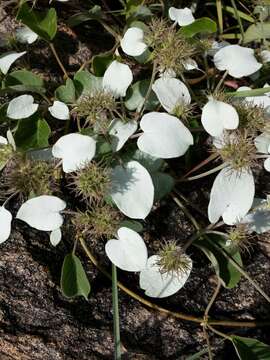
(116, 326)
(238, 20)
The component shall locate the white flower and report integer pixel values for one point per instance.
(42, 212)
(182, 16)
(129, 252)
(190, 64)
(8, 140)
(171, 93)
(265, 55)
(117, 78)
(132, 43)
(21, 107)
(161, 285)
(120, 132)
(132, 190)
(262, 143)
(164, 136)
(217, 116)
(55, 237)
(59, 110)
(237, 60)
(5, 224)
(7, 59)
(75, 150)
(262, 100)
(258, 220)
(25, 35)
(231, 196)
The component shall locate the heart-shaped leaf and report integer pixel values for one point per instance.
(250, 349)
(66, 93)
(74, 281)
(21, 107)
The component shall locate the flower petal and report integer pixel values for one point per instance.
(237, 60)
(25, 35)
(171, 92)
(258, 220)
(132, 190)
(42, 212)
(132, 43)
(217, 116)
(21, 107)
(262, 100)
(3, 140)
(129, 252)
(55, 237)
(160, 285)
(182, 16)
(59, 110)
(164, 136)
(231, 196)
(265, 55)
(117, 78)
(5, 224)
(75, 150)
(262, 143)
(7, 59)
(120, 132)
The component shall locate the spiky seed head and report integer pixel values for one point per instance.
(239, 238)
(92, 182)
(172, 259)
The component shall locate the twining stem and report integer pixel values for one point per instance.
(116, 326)
(154, 71)
(58, 60)
(210, 355)
(220, 15)
(219, 333)
(201, 164)
(186, 212)
(178, 315)
(239, 268)
(238, 19)
(204, 174)
(221, 81)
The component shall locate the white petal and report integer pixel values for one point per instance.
(11, 140)
(164, 136)
(75, 150)
(117, 78)
(3, 140)
(231, 196)
(266, 85)
(7, 59)
(266, 164)
(132, 43)
(265, 55)
(132, 190)
(171, 92)
(129, 252)
(160, 285)
(5, 224)
(120, 132)
(262, 100)
(25, 35)
(182, 16)
(262, 143)
(59, 110)
(217, 116)
(239, 61)
(190, 64)
(55, 237)
(42, 212)
(21, 107)
(258, 220)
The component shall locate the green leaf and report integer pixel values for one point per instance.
(151, 163)
(250, 349)
(24, 77)
(95, 13)
(136, 94)
(256, 32)
(43, 23)
(100, 63)
(136, 10)
(86, 83)
(74, 281)
(132, 224)
(199, 26)
(163, 184)
(32, 133)
(66, 93)
(223, 267)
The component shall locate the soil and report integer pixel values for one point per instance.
(37, 322)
